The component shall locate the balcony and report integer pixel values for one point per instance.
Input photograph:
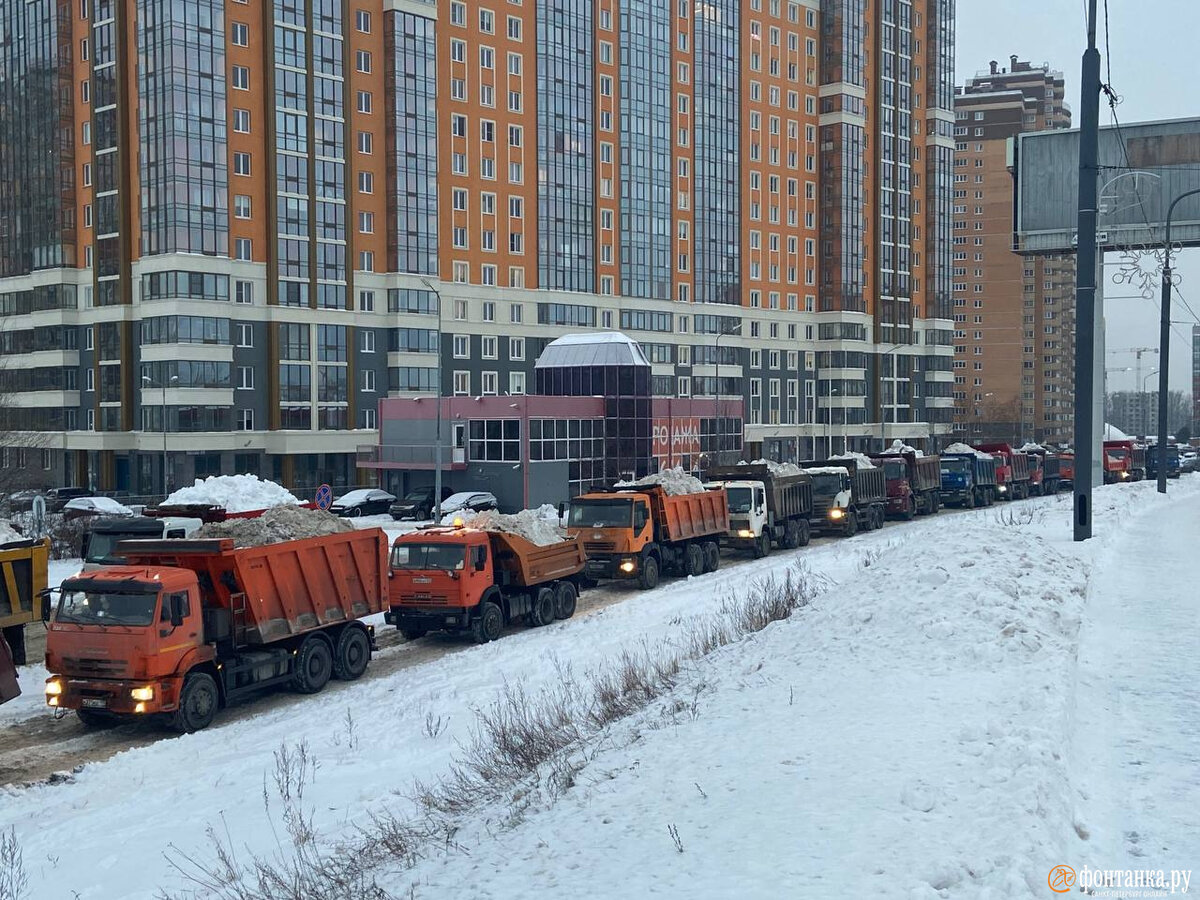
(409, 456)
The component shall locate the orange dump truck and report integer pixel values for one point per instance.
(640, 531)
(189, 625)
(467, 579)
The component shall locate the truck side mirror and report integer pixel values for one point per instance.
(176, 610)
(562, 509)
(47, 606)
(84, 543)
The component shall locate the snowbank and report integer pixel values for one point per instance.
(280, 523)
(673, 481)
(1031, 447)
(827, 470)
(899, 447)
(8, 533)
(1113, 433)
(539, 526)
(967, 449)
(236, 493)
(864, 461)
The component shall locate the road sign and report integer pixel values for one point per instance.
(324, 497)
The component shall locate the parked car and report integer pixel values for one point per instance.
(21, 501)
(82, 507)
(417, 503)
(57, 498)
(471, 501)
(362, 502)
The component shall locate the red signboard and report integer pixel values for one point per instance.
(675, 438)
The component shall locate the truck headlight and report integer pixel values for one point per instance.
(54, 688)
(745, 533)
(1001, 489)
(139, 708)
(142, 693)
(836, 513)
(627, 566)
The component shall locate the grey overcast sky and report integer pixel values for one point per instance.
(1154, 68)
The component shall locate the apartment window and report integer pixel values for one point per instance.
(364, 102)
(458, 89)
(241, 121)
(516, 348)
(491, 384)
(368, 418)
(460, 310)
(245, 378)
(489, 347)
(366, 223)
(84, 51)
(242, 249)
(458, 51)
(366, 302)
(514, 136)
(516, 383)
(458, 14)
(366, 260)
(85, 91)
(362, 21)
(362, 61)
(366, 182)
(241, 78)
(366, 142)
(87, 215)
(516, 207)
(245, 420)
(461, 346)
(241, 206)
(487, 21)
(462, 383)
(368, 380)
(514, 101)
(514, 312)
(487, 95)
(243, 291)
(458, 199)
(487, 58)
(240, 34)
(514, 31)
(461, 272)
(241, 163)
(245, 334)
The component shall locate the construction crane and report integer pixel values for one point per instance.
(1138, 365)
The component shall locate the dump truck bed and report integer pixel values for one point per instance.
(868, 485)
(684, 517)
(23, 572)
(523, 563)
(787, 495)
(280, 590)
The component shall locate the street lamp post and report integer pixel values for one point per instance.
(1145, 404)
(736, 329)
(146, 380)
(437, 465)
(1164, 345)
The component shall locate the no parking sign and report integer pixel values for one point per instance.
(324, 497)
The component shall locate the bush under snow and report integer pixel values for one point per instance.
(235, 493)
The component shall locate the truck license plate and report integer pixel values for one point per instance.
(94, 703)
(422, 580)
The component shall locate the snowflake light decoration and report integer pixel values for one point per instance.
(1141, 268)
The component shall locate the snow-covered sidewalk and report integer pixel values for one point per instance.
(1137, 716)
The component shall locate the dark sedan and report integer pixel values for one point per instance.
(417, 504)
(362, 502)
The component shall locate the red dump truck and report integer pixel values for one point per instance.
(189, 625)
(1012, 471)
(639, 531)
(467, 579)
(1124, 461)
(914, 483)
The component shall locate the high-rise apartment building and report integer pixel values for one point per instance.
(1014, 316)
(230, 228)
(1195, 379)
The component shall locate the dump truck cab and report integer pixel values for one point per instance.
(103, 535)
(125, 636)
(747, 508)
(900, 495)
(617, 523)
(447, 570)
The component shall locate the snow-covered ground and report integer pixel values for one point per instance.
(921, 730)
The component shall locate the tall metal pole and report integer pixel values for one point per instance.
(166, 491)
(1085, 281)
(437, 465)
(1164, 346)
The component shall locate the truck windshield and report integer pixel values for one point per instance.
(616, 513)
(91, 608)
(1118, 452)
(894, 469)
(828, 485)
(448, 557)
(954, 466)
(739, 499)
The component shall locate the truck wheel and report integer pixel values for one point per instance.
(313, 666)
(694, 559)
(14, 636)
(851, 526)
(352, 654)
(489, 625)
(712, 556)
(969, 500)
(911, 511)
(804, 534)
(790, 538)
(762, 546)
(544, 607)
(198, 702)
(648, 577)
(565, 598)
(937, 501)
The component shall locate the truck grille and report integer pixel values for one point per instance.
(424, 599)
(100, 668)
(821, 506)
(590, 547)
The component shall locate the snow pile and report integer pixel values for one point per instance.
(674, 481)
(899, 447)
(1031, 447)
(827, 470)
(777, 468)
(236, 493)
(966, 449)
(864, 461)
(538, 526)
(1113, 433)
(281, 523)
(8, 533)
